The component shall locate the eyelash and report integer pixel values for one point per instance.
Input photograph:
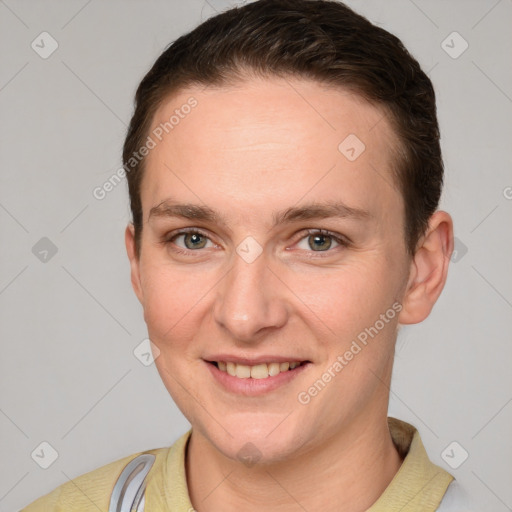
(168, 240)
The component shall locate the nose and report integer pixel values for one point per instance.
(251, 300)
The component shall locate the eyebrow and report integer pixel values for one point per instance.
(311, 211)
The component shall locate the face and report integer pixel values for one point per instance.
(290, 250)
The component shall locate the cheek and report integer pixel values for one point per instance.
(171, 301)
(344, 300)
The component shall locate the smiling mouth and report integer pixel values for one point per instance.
(258, 371)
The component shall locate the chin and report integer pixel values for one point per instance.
(257, 440)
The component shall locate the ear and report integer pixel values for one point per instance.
(129, 239)
(429, 269)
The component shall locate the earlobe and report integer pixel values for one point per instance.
(129, 238)
(429, 269)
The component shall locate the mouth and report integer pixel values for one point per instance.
(258, 371)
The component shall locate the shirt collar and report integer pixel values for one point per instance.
(419, 485)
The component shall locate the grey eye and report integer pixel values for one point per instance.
(317, 242)
(193, 240)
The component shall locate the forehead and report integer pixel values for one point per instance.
(265, 140)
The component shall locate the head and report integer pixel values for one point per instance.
(284, 173)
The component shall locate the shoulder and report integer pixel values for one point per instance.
(456, 499)
(90, 491)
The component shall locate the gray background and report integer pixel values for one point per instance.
(70, 321)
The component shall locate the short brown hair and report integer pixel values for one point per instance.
(323, 40)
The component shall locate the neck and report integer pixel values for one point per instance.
(346, 472)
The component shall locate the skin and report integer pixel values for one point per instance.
(246, 151)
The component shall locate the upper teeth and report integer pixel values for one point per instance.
(258, 371)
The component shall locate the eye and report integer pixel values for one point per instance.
(192, 240)
(320, 240)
